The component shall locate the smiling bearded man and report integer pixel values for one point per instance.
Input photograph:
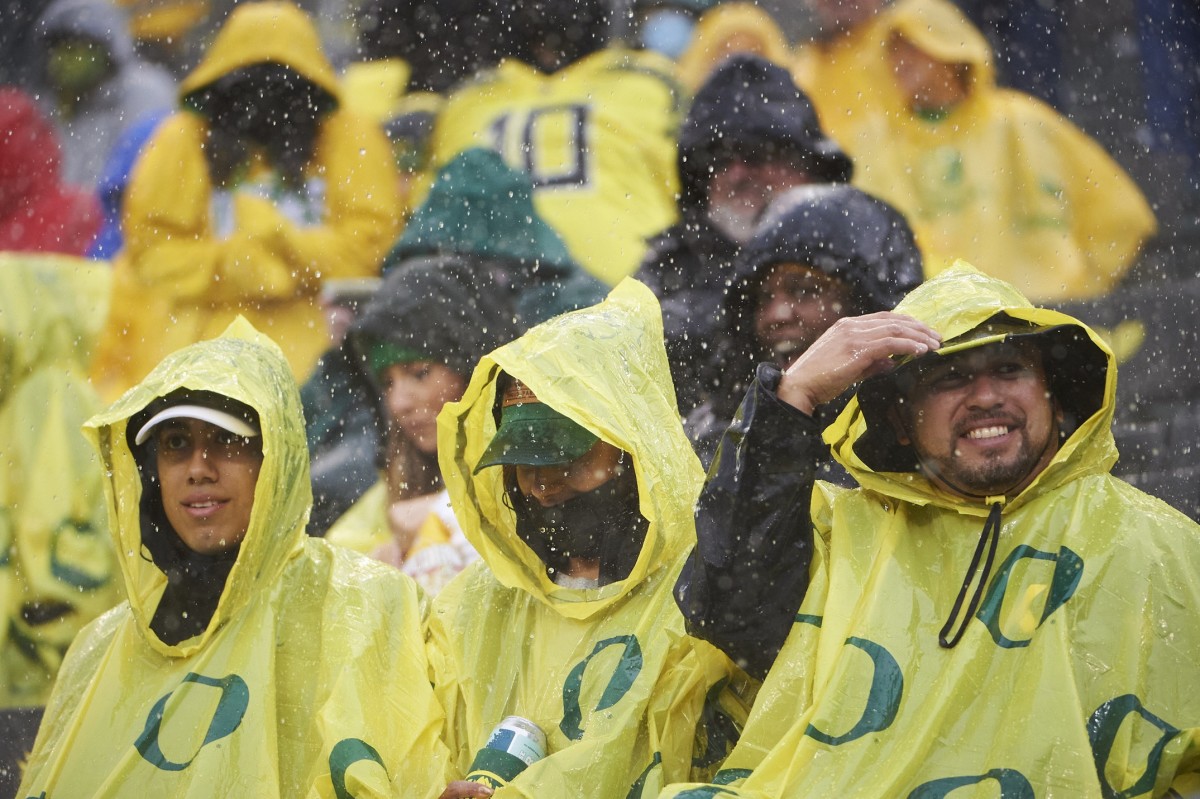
(988, 607)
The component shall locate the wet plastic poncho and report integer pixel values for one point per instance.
(196, 257)
(57, 567)
(1075, 677)
(598, 139)
(310, 679)
(1002, 181)
(607, 673)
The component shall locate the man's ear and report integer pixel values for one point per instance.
(896, 420)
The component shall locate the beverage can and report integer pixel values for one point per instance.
(515, 744)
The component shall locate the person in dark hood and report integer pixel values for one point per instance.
(97, 83)
(551, 34)
(749, 135)
(821, 253)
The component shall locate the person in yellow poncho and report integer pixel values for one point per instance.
(248, 659)
(593, 125)
(990, 610)
(983, 173)
(58, 570)
(246, 200)
(568, 619)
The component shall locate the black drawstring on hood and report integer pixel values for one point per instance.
(989, 535)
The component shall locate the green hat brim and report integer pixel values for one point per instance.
(534, 434)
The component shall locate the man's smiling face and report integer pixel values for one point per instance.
(982, 421)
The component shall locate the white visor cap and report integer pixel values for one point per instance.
(223, 420)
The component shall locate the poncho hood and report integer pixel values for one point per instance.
(272, 31)
(246, 366)
(941, 30)
(1079, 364)
(604, 367)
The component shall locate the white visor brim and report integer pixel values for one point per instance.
(223, 420)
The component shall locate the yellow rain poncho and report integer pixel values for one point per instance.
(724, 30)
(196, 257)
(1077, 675)
(608, 673)
(57, 568)
(598, 139)
(1003, 180)
(309, 680)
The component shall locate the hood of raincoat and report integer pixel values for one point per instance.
(246, 366)
(478, 205)
(442, 309)
(1079, 365)
(940, 29)
(272, 31)
(98, 20)
(482, 209)
(729, 28)
(604, 367)
(750, 105)
(840, 230)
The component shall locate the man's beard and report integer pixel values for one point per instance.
(995, 475)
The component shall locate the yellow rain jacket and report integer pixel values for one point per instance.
(310, 679)
(183, 276)
(1077, 675)
(724, 30)
(57, 567)
(598, 139)
(608, 674)
(1003, 181)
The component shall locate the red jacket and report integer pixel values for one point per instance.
(38, 213)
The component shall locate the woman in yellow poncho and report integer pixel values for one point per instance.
(249, 659)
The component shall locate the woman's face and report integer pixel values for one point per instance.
(208, 476)
(414, 394)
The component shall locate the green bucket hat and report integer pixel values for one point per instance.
(531, 433)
